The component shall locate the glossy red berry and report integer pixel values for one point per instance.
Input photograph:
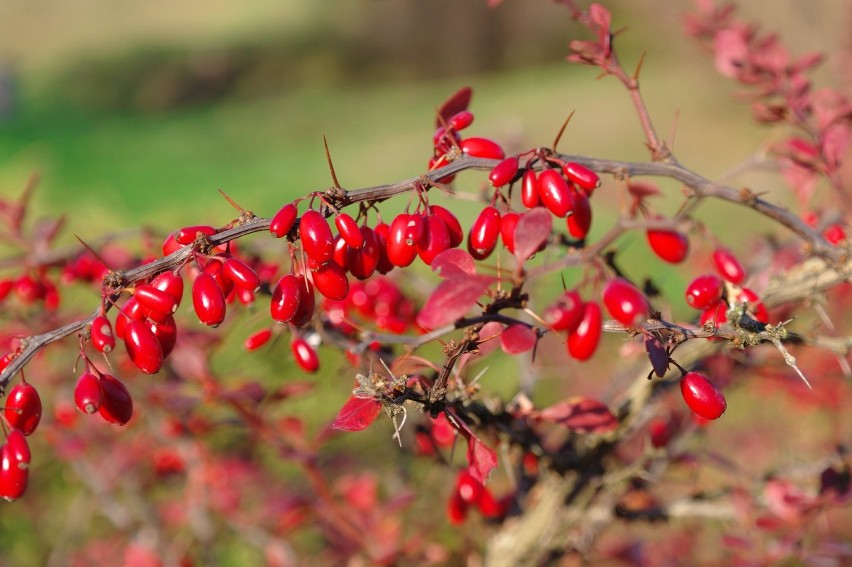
(283, 220)
(363, 261)
(460, 120)
(170, 245)
(504, 172)
(13, 478)
(153, 299)
(484, 233)
(243, 276)
(340, 251)
(454, 228)
(188, 234)
(385, 265)
(529, 189)
(581, 176)
(166, 334)
(704, 291)
(580, 220)
(468, 488)
(436, 238)
(566, 312)
(215, 268)
(670, 245)
(625, 302)
(208, 300)
(401, 252)
(331, 281)
(583, 342)
(19, 448)
(116, 403)
(88, 393)
(703, 398)
(23, 408)
(286, 298)
(482, 148)
(101, 334)
(143, 348)
(317, 238)
(305, 355)
(554, 192)
(728, 266)
(754, 303)
(307, 303)
(349, 230)
(257, 340)
(507, 230)
(171, 283)
(715, 313)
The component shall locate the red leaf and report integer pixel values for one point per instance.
(357, 414)
(531, 232)
(490, 334)
(455, 104)
(481, 459)
(517, 338)
(451, 300)
(453, 262)
(583, 415)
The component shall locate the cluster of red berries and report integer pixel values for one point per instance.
(32, 288)
(23, 414)
(468, 494)
(711, 294)
(579, 319)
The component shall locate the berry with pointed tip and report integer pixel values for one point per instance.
(23, 408)
(283, 220)
(702, 396)
(208, 300)
(625, 302)
(704, 291)
(555, 193)
(484, 233)
(88, 393)
(317, 238)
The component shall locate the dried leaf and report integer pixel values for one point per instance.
(452, 299)
(517, 338)
(453, 262)
(357, 414)
(531, 232)
(658, 355)
(583, 415)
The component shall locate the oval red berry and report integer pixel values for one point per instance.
(702, 396)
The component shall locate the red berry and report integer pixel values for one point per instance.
(835, 233)
(460, 120)
(23, 408)
(670, 245)
(582, 176)
(215, 267)
(101, 334)
(171, 283)
(317, 238)
(728, 266)
(286, 298)
(13, 478)
(456, 508)
(87, 393)
(454, 228)
(19, 448)
(414, 229)
(436, 238)
(703, 398)
(566, 312)
(283, 220)
(307, 303)
(400, 252)
(482, 148)
(142, 347)
(208, 300)
(170, 245)
(28, 289)
(529, 189)
(349, 231)
(188, 234)
(257, 340)
(305, 355)
(116, 403)
(554, 192)
(243, 276)
(362, 262)
(468, 488)
(755, 304)
(507, 230)
(583, 342)
(704, 291)
(166, 334)
(715, 313)
(625, 302)
(153, 299)
(504, 172)
(382, 230)
(331, 281)
(580, 220)
(130, 311)
(483, 233)
(661, 432)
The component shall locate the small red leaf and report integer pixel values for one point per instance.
(357, 414)
(490, 335)
(531, 232)
(451, 300)
(517, 338)
(583, 415)
(453, 262)
(459, 101)
(481, 459)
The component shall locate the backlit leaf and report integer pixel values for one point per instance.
(357, 414)
(531, 232)
(583, 415)
(452, 299)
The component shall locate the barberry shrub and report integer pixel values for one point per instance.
(517, 369)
